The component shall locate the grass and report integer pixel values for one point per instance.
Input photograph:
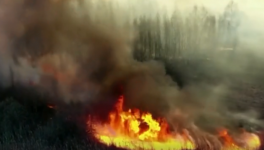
(22, 129)
(27, 123)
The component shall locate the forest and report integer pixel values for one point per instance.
(198, 48)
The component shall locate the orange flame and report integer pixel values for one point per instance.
(134, 130)
(246, 141)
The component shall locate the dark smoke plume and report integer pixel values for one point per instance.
(87, 53)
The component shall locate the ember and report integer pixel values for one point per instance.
(51, 106)
(135, 130)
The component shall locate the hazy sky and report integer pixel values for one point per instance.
(143, 6)
(252, 25)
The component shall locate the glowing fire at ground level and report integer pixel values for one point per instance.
(131, 144)
(134, 130)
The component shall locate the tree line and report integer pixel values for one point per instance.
(198, 34)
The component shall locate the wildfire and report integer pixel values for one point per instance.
(246, 141)
(135, 130)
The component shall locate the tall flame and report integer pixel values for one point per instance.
(135, 130)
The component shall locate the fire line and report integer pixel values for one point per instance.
(135, 130)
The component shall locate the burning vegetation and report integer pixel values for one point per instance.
(85, 60)
(136, 130)
(133, 129)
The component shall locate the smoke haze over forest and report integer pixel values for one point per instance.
(82, 52)
(100, 51)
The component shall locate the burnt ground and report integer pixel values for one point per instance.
(27, 123)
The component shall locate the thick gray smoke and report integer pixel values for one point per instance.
(60, 39)
(88, 52)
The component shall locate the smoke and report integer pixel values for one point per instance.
(61, 40)
(209, 107)
(88, 52)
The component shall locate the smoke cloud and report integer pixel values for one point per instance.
(87, 51)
